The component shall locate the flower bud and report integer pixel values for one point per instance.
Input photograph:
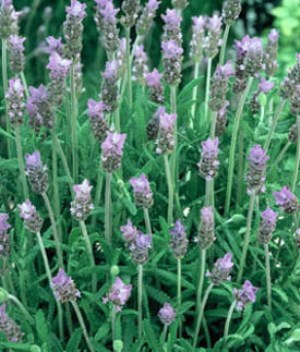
(36, 172)
(112, 151)
(82, 203)
(64, 287)
(286, 200)
(221, 270)
(167, 314)
(267, 225)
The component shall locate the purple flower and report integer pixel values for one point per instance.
(29, 214)
(206, 235)
(8, 326)
(265, 86)
(213, 39)
(140, 64)
(77, 9)
(153, 79)
(273, 36)
(36, 172)
(172, 19)
(96, 109)
(33, 160)
(64, 287)
(247, 294)
(258, 157)
(4, 225)
(112, 151)
(214, 23)
(110, 85)
(166, 140)
(152, 5)
(55, 45)
(119, 294)
(16, 43)
(58, 66)
(102, 3)
(142, 191)
(145, 21)
(226, 70)
(178, 241)
(15, 101)
(82, 204)
(257, 166)
(139, 248)
(267, 225)
(286, 200)
(209, 164)
(109, 12)
(171, 50)
(16, 57)
(167, 314)
(172, 58)
(129, 232)
(222, 268)
(96, 112)
(198, 36)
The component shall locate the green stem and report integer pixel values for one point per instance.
(297, 163)
(209, 193)
(200, 313)
(201, 277)
(240, 173)
(56, 197)
(282, 153)
(22, 308)
(164, 334)
(247, 238)
(170, 190)
(113, 322)
(207, 89)
(268, 275)
(23, 78)
(274, 124)
(117, 119)
(224, 44)
(213, 125)
(49, 275)
(229, 317)
(195, 94)
(5, 88)
(140, 300)
(129, 82)
(147, 221)
(54, 229)
(74, 123)
(21, 162)
(107, 222)
(98, 191)
(179, 273)
(82, 325)
(89, 250)
(236, 126)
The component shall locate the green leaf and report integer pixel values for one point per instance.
(74, 341)
(41, 326)
(151, 337)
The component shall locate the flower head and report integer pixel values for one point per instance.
(33, 160)
(167, 314)
(82, 203)
(58, 66)
(265, 86)
(206, 234)
(4, 224)
(8, 326)
(29, 214)
(257, 165)
(247, 294)
(267, 225)
(142, 191)
(286, 200)
(222, 268)
(54, 45)
(36, 172)
(76, 9)
(166, 141)
(64, 287)
(112, 151)
(209, 164)
(129, 232)
(139, 248)
(178, 240)
(119, 294)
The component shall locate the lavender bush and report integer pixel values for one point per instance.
(153, 210)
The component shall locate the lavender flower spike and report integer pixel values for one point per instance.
(153, 124)
(166, 138)
(209, 164)
(55, 45)
(8, 19)
(96, 113)
(206, 235)
(267, 225)
(167, 314)
(286, 200)
(145, 21)
(64, 287)
(119, 294)
(172, 29)
(257, 168)
(112, 151)
(4, 236)
(110, 85)
(153, 82)
(15, 101)
(221, 271)
(32, 220)
(270, 54)
(129, 232)
(197, 42)
(36, 172)
(82, 204)
(142, 191)
(231, 11)
(172, 57)
(140, 64)
(4, 224)
(17, 58)
(131, 9)
(8, 326)
(247, 294)
(213, 40)
(139, 249)
(178, 240)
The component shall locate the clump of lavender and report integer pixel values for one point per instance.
(15, 101)
(73, 29)
(110, 85)
(129, 232)
(247, 294)
(153, 82)
(198, 36)
(213, 38)
(286, 200)
(4, 236)
(264, 87)
(112, 151)
(267, 225)
(219, 86)
(206, 234)
(39, 108)
(8, 19)
(32, 220)
(145, 21)
(82, 204)
(106, 20)
(119, 294)
(153, 124)
(172, 59)
(140, 64)
(131, 10)
(209, 164)
(172, 29)
(166, 138)
(143, 195)
(9, 327)
(96, 113)
(221, 119)
(16, 51)
(231, 11)
(64, 287)
(257, 169)
(270, 54)
(58, 71)
(54, 45)
(36, 172)
(221, 270)
(178, 240)
(167, 314)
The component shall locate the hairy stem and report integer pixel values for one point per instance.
(179, 273)
(56, 197)
(22, 308)
(113, 322)
(23, 78)
(98, 191)
(170, 190)
(74, 123)
(195, 94)
(236, 126)
(224, 44)
(21, 162)
(297, 162)
(229, 317)
(129, 81)
(147, 221)
(107, 221)
(268, 275)
(201, 277)
(282, 153)
(140, 300)
(247, 238)
(207, 89)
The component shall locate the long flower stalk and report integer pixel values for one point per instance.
(170, 190)
(297, 162)
(173, 159)
(247, 238)
(128, 61)
(89, 250)
(22, 308)
(140, 300)
(282, 153)
(24, 81)
(179, 274)
(224, 44)
(201, 278)
(207, 89)
(268, 275)
(56, 197)
(147, 221)
(195, 94)
(74, 123)
(107, 221)
(229, 317)
(236, 126)
(21, 162)
(98, 191)
(201, 313)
